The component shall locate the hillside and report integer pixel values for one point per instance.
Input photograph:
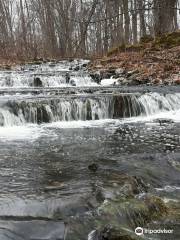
(152, 61)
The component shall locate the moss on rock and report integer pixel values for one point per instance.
(167, 40)
(134, 212)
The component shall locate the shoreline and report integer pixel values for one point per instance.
(138, 68)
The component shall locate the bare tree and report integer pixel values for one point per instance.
(66, 28)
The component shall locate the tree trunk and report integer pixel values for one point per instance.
(127, 21)
(164, 16)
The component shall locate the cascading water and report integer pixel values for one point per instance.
(53, 110)
(154, 103)
(50, 74)
(18, 112)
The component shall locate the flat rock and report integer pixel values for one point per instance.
(32, 230)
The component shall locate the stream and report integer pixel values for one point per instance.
(81, 161)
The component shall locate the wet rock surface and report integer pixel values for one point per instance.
(32, 230)
(37, 82)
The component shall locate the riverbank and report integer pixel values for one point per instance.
(151, 62)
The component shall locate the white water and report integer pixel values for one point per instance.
(155, 103)
(15, 113)
(21, 80)
(147, 106)
(51, 75)
(21, 133)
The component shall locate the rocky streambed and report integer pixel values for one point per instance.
(81, 161)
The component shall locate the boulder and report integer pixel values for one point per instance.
(7, 67)
(96, 77)
(42, 115)
(105, 74)
(52, 65)
(72, 82)
(130, 73)
(133, 81)
(177, 82)
(84, 65)
(122, 81)
(38, 82)
(164, 121)
(77, 68)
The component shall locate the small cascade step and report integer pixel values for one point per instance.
(46, 109)
(47, 75)
(71, 108)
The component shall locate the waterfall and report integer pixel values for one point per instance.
(42, 110)
(45, 111)
(154, 103)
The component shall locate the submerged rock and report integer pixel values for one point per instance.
(93, 167)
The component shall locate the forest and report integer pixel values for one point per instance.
(78, 28)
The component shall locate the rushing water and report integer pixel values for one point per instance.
(50, 135)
